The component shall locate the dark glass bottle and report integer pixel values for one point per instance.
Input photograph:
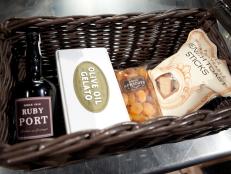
(35, 97)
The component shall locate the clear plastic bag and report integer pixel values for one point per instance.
(138, 93)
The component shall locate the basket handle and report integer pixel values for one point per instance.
(222, 12)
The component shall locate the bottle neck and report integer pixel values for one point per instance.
(34, 67)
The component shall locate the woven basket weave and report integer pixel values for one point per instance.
(131, 40)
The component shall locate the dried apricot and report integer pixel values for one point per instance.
(138, 118)
(141, 96)
(136, 108)
(149, 109)
(131, 72)
(131, 99)
(120, 75)
(142, 72)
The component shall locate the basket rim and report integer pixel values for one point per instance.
(15, 23)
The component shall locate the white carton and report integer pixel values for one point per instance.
(91, 95)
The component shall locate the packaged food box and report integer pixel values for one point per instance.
(91, 95)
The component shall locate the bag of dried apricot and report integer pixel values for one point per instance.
(138, 93)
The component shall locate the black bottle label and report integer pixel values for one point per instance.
(34, 118)
(133, 84)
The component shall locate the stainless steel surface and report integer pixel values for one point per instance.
(25, 8)
(151, 160)
(156, 159)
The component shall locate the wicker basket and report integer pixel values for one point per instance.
(131, 40)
